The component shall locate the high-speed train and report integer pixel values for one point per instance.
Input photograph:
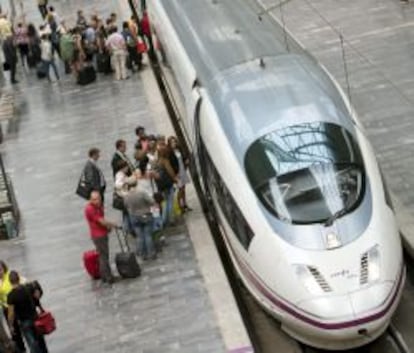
(293, 180)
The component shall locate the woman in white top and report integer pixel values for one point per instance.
(123, 184)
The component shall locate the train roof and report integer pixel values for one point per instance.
(252, 101)
(219, 34)
(244, 64)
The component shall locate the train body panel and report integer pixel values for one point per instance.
(294, 182)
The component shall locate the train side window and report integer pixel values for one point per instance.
(226, 202)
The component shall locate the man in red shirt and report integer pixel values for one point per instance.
(99, 229)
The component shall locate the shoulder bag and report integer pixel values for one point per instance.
(118, 202)
(84, 189)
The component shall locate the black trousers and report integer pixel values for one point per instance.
(43, 10)
(134, 58)
(102, 247)
(17, 337)
(13, 71)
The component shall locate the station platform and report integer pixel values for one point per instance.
(170, 307)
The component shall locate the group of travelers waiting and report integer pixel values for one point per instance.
(148, 189)
(20, 301)
(95, 43)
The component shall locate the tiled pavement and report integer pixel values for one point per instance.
(167, 308)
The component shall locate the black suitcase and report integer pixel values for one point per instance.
(41, 70)
(126, 262)
(87, 75)
(103, 62)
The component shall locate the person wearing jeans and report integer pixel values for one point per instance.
(165, 179)
(23, 308)
(5, 289)
(167, 210)
(47, 57)
(143, 227)
(138, 202)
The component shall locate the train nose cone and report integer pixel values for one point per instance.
(329, 307)
(351, 306)
(371, 298)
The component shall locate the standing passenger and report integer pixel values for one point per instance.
(183, 178)
(22, 41)
(94, 176)
(165, 183)
(42, 4)
(22, 307)
(47, 57)
(10, 55)
(117, 47)
(5, 289)
(138, 203)
(99, 228)
(119, 155)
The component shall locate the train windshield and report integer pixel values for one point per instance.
(307, 173)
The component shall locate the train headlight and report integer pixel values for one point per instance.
(374, 264)
(306, 275)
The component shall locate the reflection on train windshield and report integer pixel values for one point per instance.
(307, 173)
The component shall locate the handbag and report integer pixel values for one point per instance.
(118, 202)
(83, 189)
(6, 66)
(45, 323)
(141, 46)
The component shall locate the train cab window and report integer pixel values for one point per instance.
(226, 202)
(307, 173)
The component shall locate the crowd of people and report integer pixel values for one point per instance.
(149, 190)
(91, 42)
(20, 302)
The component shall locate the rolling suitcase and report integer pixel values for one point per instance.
(126, 262)
(87, 75)
(41, 70)
(91, 263)
(103, 63)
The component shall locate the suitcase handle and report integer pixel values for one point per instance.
(119, 231)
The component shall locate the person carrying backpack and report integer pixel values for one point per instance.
(23, 305)
(131, 45)
(5, 289)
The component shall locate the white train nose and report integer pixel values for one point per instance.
(329, 308)
(348, 306)
(371, 298)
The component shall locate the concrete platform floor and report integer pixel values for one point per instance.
(165, 310)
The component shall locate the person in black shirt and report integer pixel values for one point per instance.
(22, 306)
(120, 155)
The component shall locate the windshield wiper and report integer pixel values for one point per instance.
(337, 215)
